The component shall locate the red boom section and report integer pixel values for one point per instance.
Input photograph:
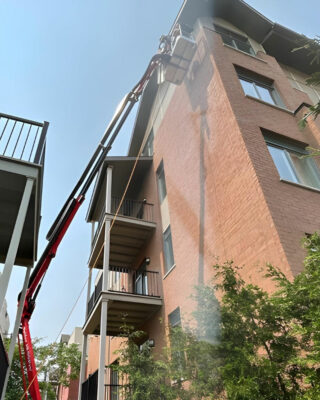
(29, 305)
(29, 360)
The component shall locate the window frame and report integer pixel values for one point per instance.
(288, 147)
(235, 37)
(148, 147)
(165, 235)
(173, 314)
(161, 183)
(277, 101)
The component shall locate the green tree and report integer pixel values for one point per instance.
(312, 46)
(249, 345)
(142, 376)
(53, 362)
(15, 383)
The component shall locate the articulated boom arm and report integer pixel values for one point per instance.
(66, 215)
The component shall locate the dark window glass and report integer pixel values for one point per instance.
(175, 318)
(258, 87)
(148, 148)
(292, 163)
(168, 249)
(235, 40)
(114, 388)
(162, 189)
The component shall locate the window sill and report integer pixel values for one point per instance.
(270, 104)
(300, 185)
(247, 54)
(167, 273)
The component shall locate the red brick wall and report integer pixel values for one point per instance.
(225, 197)
(226, 201)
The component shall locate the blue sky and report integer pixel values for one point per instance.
(70, 63)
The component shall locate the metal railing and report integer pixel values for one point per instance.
(22, 139)
(126, 280)
(89, 387)
(3, 364)
(130, 208)
(133, 208)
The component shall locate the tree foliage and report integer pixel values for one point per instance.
(313, 54)
(249, 345)
(57, 363)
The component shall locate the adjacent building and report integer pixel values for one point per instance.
(220, 177)
(70, 392)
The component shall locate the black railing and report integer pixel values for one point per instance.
(126, 280)
(22, 139)
(132, 208)
(3, 364)
(89, 387)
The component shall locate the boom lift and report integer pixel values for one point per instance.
(175, 47)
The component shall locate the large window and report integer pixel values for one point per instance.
(162, 189)
(259, 87)
(291, 163)
(235, 40)
(168, 249)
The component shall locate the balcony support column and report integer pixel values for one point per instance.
(15, 240)
(102, 349)
(105, 278)
(106, 254)
(82, 375)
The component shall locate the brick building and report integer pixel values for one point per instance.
(220, 176)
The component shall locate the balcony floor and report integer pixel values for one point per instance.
(127, 238)
(132, 309)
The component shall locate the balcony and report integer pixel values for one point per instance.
(131, 229)
(134, 296)
(22, 153)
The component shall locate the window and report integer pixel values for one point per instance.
(259, 87)
(177, 351)
(148, 148)
(288, 158)
(175, 318)
(235, 40)
(168, 249)
(162, 189)
(114, 385)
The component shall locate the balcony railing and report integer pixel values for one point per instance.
(89, 387)
(133, 208)
(111, 390)
(130, 208)
(125, 280)
(22, 139)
